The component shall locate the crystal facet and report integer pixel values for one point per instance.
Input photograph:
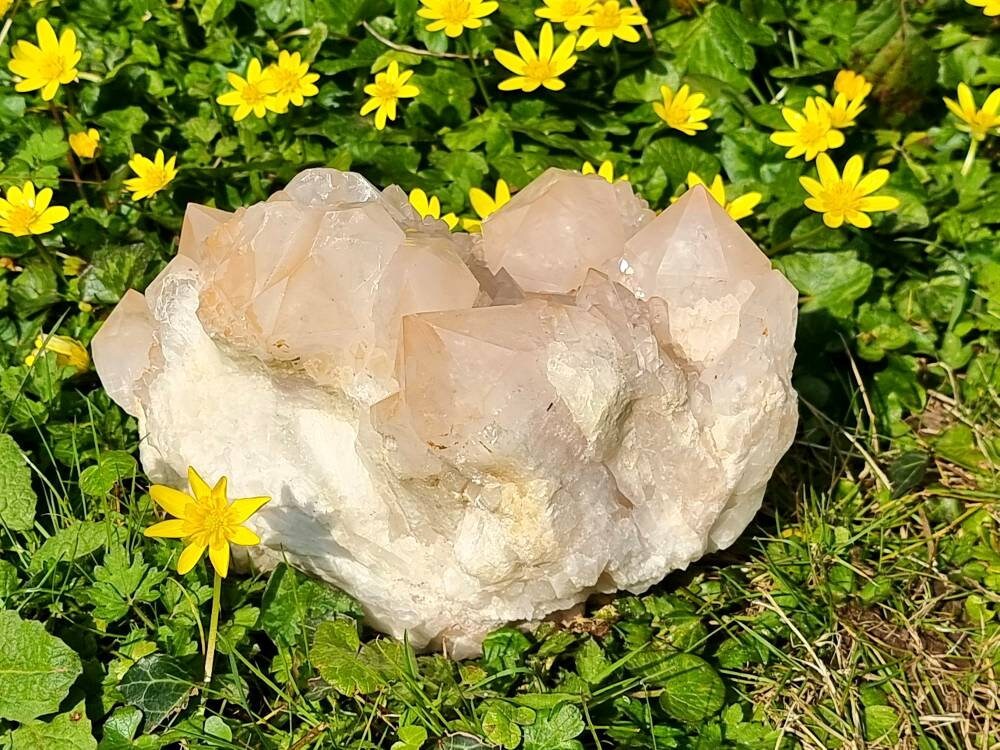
(464, 431)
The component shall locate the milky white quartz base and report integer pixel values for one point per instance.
(477, 466)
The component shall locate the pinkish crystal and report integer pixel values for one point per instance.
(463, 431)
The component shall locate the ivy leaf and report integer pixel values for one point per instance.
(335, 656)
(70, 731)
(114, 270)
(34, 289)
(555, 730)
(112, 468)
(294, 603)
(36, 669)
(17, 498)
(692, 690)
(157, 685)
(502, 723)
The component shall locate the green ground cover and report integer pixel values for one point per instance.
(860, 609)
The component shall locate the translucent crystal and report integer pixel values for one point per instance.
(465, 431)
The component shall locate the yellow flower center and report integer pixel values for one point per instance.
(22, 217)
(813, 132)
(840, 197)
(157, 176)
(288, 80)
(677, 115)
(387, 90)
(606, 18)
(253, 95)
(211, 521)
(539, 70)
(455, 11)
(52, 67)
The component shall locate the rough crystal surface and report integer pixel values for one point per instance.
(465, 431)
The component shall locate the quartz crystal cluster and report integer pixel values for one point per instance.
(461, 430)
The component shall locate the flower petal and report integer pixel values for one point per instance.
(872, 181)
(199, 487)
(175, 528)
(190, 557)
(241, 510)
(219, 555)
(173, 501)
(878, 203)
(244, 537)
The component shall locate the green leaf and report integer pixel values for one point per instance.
(79, 540)
(692, 690)
(906, 472)
(502, 723)
(112, 467)
(880, 724)
(591, 663)
(502, 649)
(70, 731)
(718, 44)
(294, 604)
(120, 582)
(675, 158)
(555, 730)
(157, 685)
(114, 270)
(120, 729)
(36, 669)
(335, 656)
(34, 289)
(17, 498)
(830, 281)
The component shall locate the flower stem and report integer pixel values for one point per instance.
(475, 71)
(970, 157)
(213, 628)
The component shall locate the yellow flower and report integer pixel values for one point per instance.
(608, 20)
(682, 111)
(811, 132)
(84, 143)
(390, 86)
(849, 197)
(153, 175)
(5, 6)
(738, 208)
(69, 352)
(990, 7)
(843, 111)
(852, 85)
(978, 122)
(606, 170)
(51, 63)
(543, 68)
(455, 16)
(205, 519)
(570, 13)
(293, 79)
(430, 208)
(23, 212)
(255, 93)
(485, 204)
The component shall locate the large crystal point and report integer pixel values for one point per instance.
(463, 431)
